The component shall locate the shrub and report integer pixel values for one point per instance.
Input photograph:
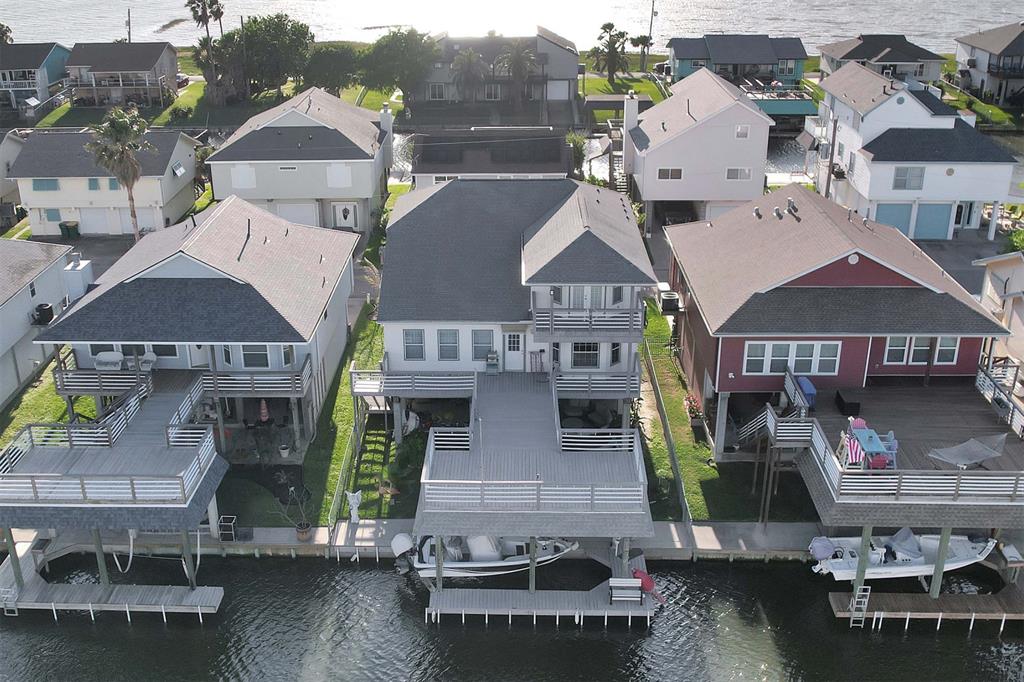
(1016, 241)
(180, 113)
(693, 408)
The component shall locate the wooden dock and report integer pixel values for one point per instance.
(1007, 604)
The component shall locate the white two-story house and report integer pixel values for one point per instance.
(530, 307)
(30, 71)
(60, 181)
(700, 152)
(103, 74)
(990, 63)
(33, 290)
(887, 54)
(314, 160)
(895, 153)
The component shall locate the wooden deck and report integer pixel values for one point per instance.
(1006, 604)
(924, 418)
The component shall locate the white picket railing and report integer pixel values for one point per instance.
(795, 394)
(378, 382)
(588, 320)
(996, 386)
(598, 384)
(598, 440)
(490, 496)
(255, 383)
(450, 439)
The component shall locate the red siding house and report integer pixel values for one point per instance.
(793, 280)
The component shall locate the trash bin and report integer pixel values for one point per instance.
(72, 229)
(64, 231)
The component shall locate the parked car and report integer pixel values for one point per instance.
(182, 80)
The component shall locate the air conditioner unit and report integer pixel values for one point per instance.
(887, 73)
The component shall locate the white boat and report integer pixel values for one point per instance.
(477, 556)
(903, 555)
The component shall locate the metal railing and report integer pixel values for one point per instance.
(575, 321)
(597, 440)
(383, 382)
(996, 386)
(598, 384)
(448, 439)
(255, 383)
(18, 85)
(796, 395)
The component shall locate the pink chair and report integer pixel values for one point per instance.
(858, 423)
(878, 462)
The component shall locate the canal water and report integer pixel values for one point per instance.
(285, 619)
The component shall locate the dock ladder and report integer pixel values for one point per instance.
(859, 606)
(10, 605)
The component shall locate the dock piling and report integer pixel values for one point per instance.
(906, 623)
(163, 613)
(128, 614)
(938, 623)
(53, 607)
(199, 610)
(1002, 624)
(91, 614)
(970, 628)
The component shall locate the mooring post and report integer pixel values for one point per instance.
(186, 554)
(940, 563)
(101, 561)
(533, 564)
(862, 558)
(439, 560)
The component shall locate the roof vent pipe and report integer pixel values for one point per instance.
(248, 228)
(849, 215)
(790, 205)
(778, 212)
(193, 220)
(757, 212)
(864, 222)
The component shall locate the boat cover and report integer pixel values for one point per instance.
(822, 548)
(971, 452)
(905, 542)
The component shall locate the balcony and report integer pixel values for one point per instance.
(1014, 71)
(260, 384)
(377, 382)
(114, 82)
(622, 325)
(17, 85)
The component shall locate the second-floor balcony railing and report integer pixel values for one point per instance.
(274, 383)
(1006, 71)
(17, 85)
(588, 322)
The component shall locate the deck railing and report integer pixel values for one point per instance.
(996, 385)
(387, 382)
(582, 321)
(796, 395)
(69, 379)
(257, 383)
(56, 489)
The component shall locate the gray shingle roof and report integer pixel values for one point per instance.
(699, 96)
(961, 143)
(875, 311)
(1004, 41)
(860, 88)
(59, 154)
(933, 103)
(553, 37)
(24, 55)
(22, 261)
(285, 276)
(881, 48)
(760, 254)
(117, 56)
(751, 48)
(356, 132)
(502, 150)
(474, 231)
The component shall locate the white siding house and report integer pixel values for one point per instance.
(707, 144)
(1002, 294)
(896, 154)
(314, 160)
(59, 181)
(990, 63)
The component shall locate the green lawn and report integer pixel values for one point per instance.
(634, 60)
(817, 94)
(987, 113)
(18, 227)
(39, 403)
(187, 63)
(253, 504)
(381, 466)
(722, 492)
(378, 236)
(813, 63)
(593, 85)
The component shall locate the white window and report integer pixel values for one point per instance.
(908, 177)
(413, 339)
(576, 297)
(556, 352)
(287, 355)
(130, 350)
(226, 353)
(255, 356)
(670, 173)
(513, 343)
(896, 350)
(804, 357)
(447, 344)
(840, 150)
(616, 295)
(556, 295)
(243, 177)
(483, 343)
(742, 132)
(492, 91)
(698, 63)
(178, 169)
(616, 353)
(738, 173)
(97, 348)
(919, 350)
(947, 350)
(586, 355)
(165, 350)
(852, 164)
(437, 91)
(596, 297)
(787, 67)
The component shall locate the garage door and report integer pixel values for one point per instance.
(932, 221)
(897, 215)
(94, 221)
(148, 219)
(558, 90)
(301, 214)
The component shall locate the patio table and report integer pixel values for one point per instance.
(869, 441)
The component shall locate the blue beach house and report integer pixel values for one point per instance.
(30, 70)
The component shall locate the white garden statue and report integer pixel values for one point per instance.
(354, 500)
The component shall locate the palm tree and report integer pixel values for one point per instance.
(201, 15)
(644, 43)
(6, 36)
(517, 60)
(468, 72)
(609, 55)
(115, 143)
(217, 14)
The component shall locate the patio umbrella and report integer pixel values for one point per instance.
(264, 412)
(974, 451)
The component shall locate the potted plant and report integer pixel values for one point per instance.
(284, 450)
(303, 528)
(696, 417)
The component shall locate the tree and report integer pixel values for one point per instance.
(644, 43)
(116, 141)
(331, 67)
(200, 10)
(6, 35)
(276, 47)
(609, 55)
(468, 73)
(517, 60)
(401, 59)
(217, 14)
(578, 144)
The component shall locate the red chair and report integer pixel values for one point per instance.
(878, 462)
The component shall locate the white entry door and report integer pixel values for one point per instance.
(514, 356)
(964, 215)
(198, 356)
(345, 215)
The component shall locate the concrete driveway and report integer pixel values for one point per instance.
(955, 256)
(102, 251)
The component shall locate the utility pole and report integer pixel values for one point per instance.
(650, 37)
(831, 155)
(129, 24)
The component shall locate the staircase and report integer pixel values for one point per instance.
(859, 606)
(619, 174)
